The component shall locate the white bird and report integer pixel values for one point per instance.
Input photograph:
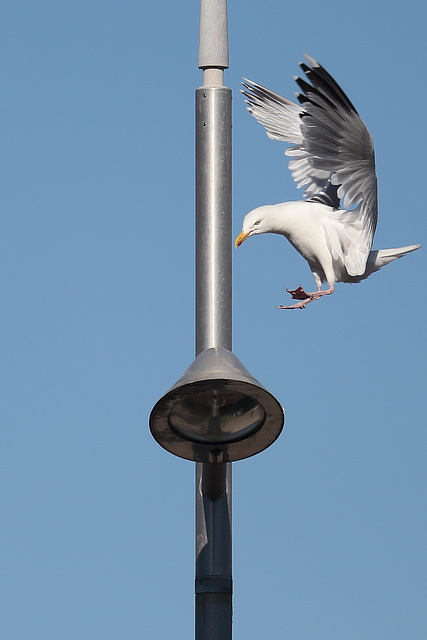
(333, 159)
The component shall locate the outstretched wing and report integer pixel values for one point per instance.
(278, 115)
(332, 146)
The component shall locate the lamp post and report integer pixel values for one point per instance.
(217, 412)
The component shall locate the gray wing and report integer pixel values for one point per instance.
(332, 146)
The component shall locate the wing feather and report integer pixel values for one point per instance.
(330, 143)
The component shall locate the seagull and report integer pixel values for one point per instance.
(333, 159)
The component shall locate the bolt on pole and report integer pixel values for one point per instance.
(213, 583)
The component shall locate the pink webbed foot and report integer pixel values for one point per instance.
(299, 293)
(305, 297)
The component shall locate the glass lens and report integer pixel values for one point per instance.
(216, 415)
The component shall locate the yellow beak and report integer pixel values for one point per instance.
(240, 238)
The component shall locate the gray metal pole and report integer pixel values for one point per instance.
(213, 585)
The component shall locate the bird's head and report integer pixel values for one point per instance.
(255, 222)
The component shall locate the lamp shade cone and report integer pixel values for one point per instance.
(216, 412)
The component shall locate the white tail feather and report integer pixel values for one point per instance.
(381, 257)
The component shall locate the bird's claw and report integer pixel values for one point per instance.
(298, 294)
(304, 297)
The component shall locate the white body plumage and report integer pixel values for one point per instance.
(323, 236)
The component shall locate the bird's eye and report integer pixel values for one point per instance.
(257, 223)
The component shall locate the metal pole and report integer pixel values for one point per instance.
(213, 584)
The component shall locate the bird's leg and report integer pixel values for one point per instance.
(305, 297)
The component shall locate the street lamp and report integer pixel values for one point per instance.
(217, 412)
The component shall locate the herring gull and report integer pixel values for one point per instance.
(333, 159)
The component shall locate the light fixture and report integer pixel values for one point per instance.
(216, 412)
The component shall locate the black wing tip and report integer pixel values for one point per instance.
(250, 85)
(311, 61)
(320, 83)
(324, 84)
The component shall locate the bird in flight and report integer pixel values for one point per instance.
(333, 159)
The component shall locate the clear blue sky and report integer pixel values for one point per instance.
(97, 321)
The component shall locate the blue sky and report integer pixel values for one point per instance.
(97, 322)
